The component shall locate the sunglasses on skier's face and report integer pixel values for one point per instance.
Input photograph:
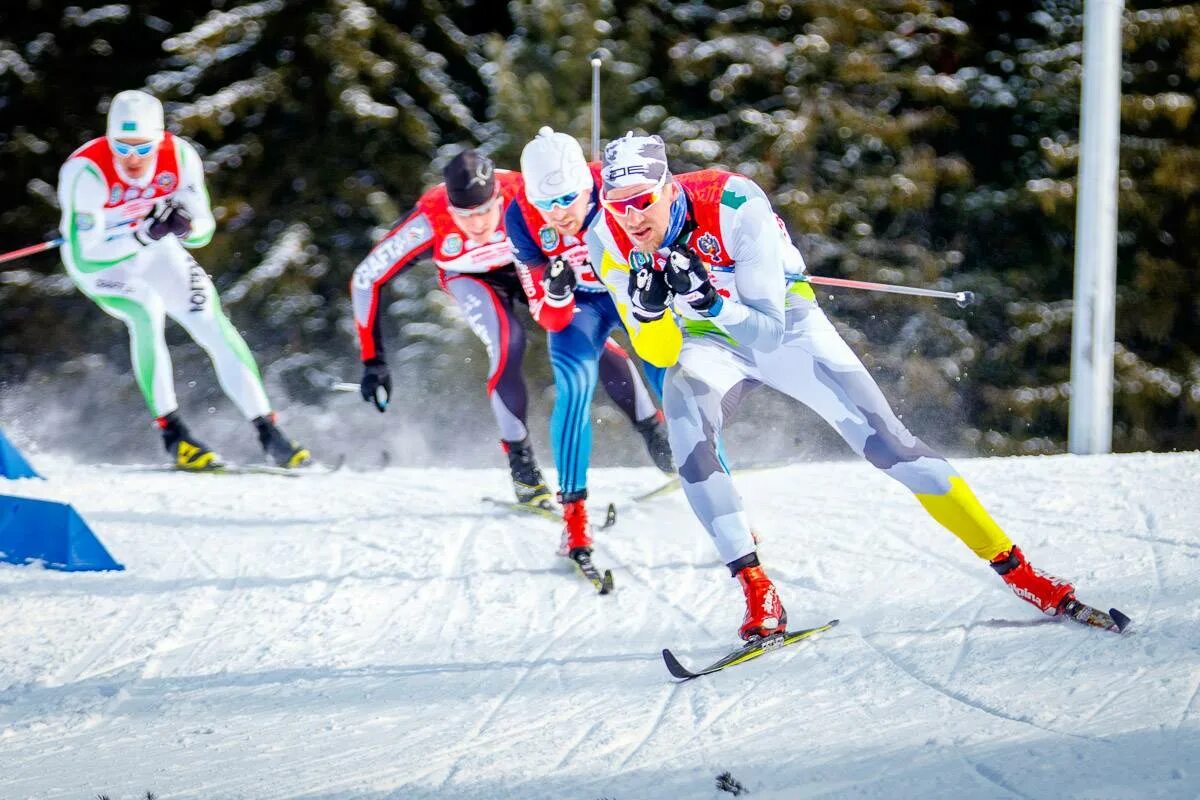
(125, 149)
(563, 200)
(477, 211)
(642, 201)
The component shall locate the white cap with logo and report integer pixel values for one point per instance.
(134, 114)
(634, 159)
(553, 165)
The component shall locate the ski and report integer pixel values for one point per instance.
(545, 509)
(666, 488)
(673, 484)
(245, 469)
(1084, 614)
(550, 511)
(223, 469)
(747, 652)
(583, 563)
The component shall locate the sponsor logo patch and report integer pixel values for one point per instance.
(452, 245)
(166, 180)
(709, 245)
(413, 235)
(84, 222)
(483, 171)
(197, 290)
(615, 173)
(132, 193)
(114, 195)
(548, 237)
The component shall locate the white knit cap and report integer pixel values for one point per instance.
(135, 115)
(633, 159)
(553, 165)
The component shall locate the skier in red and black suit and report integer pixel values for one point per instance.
(460, 225)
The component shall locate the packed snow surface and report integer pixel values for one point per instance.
(388, 635)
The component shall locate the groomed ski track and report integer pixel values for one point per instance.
(375, 635)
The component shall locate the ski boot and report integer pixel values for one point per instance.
(188, 452)
(765, 615)
(1048, 593)
(279, 449)
(577, 533)
(654, 433)
(528, 483)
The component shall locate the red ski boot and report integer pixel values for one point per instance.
(577, 533)
(764, 613)
(1046, 592)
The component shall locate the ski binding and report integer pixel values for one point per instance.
(1082, 613)
(583, 562)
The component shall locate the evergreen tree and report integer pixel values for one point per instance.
(932, 142)
(1023, 72)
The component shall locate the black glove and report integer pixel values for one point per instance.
(376, 383)
(559, 280)
(170, 218)
(689, 280)
(649, 293)
(177, 220)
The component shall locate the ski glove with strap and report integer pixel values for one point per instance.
(560, 281)
(376, 383)
(689, 280)
(169, 218)
(649, 293)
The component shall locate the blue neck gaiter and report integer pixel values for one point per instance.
(678, 217)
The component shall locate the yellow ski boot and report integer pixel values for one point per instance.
(187, 452)
(280, 450)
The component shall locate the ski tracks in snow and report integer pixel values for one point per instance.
(434, 650)
(958, 697)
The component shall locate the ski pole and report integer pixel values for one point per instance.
(381, 394)
(963, 299)
(596, 58)
(32, 249)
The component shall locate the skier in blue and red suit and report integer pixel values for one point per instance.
(546, 224)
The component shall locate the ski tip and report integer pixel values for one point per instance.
(606, 584)
(833, 623)
(1119, 619)
(610, 515)
(676, 669)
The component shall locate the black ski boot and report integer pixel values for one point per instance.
(279, 449)
(654, 432)
(187, 452)
(528, 483)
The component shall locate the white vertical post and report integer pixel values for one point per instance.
(595, 61)
(1092, 329)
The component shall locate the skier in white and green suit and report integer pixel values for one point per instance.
(133, 204)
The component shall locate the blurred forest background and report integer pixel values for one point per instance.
(913, 141)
